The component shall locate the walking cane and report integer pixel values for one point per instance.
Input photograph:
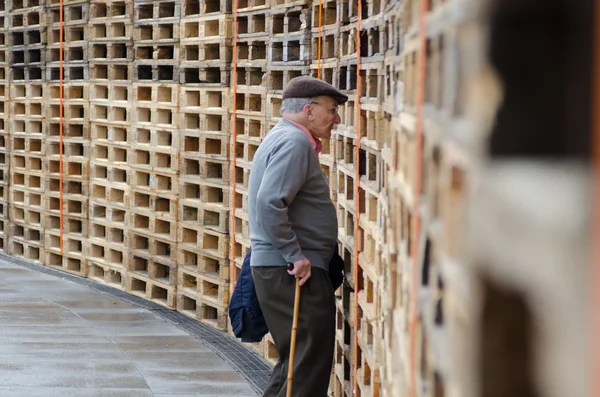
(293, 341)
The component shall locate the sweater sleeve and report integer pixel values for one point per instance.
(285, 174)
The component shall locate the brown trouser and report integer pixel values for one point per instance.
(315, 336)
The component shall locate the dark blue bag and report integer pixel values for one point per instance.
(336, 269)
(246, 318)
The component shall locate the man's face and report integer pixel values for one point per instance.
(323, 116)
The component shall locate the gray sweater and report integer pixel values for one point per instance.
(290, 211)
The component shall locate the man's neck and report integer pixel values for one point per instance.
(295, 118)
(298, 120)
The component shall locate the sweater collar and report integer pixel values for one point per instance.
(315, 142)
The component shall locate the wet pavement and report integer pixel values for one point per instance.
(61, 339)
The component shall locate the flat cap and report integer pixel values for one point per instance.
(310, 87)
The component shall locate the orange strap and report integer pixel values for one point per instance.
(319, 42)
(356, 196)
(232, 269)
(60, 128)
(416, 226)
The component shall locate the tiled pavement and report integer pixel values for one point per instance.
(69, 337)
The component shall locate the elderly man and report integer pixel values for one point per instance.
(293, 220)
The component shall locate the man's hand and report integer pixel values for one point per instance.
(301, 270)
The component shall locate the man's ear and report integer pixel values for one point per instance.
(308, 112)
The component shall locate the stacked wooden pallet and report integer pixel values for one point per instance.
(154, 187)
(26, 56)
(4, 128)
(76, 142)
(369, 203)
(110, 54)
(432, 192)
(351, 206)
(394, 378)
(204, 184)
(27, 169)
(152, 156)
(253, 35)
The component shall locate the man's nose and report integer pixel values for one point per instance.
(338, 119)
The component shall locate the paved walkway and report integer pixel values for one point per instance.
(59, 338)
